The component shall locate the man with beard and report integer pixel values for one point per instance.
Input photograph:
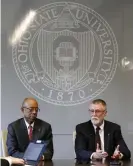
(98, 138)
(29, 128)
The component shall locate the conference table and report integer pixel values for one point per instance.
(67, 162)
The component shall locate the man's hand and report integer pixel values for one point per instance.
(16, 160)
(104, 154)
(99, 154)
(117, 154)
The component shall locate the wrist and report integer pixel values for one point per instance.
(120, 156)
(9, 160)
(91, 157)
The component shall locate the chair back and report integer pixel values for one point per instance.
(3, 142)
(74, 136)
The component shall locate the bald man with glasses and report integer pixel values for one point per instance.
(29, 128)
(97, 138)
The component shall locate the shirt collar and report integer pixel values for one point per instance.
(101, 127)
(27, 124)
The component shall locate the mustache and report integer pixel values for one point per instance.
(94, 118)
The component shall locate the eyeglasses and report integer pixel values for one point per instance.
(32, 109)
(96, 111)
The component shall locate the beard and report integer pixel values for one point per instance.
(95, 120)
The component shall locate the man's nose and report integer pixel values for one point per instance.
(94, 112)
(34, 111)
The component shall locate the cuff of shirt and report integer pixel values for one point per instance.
(42, 158)
(91, 156)
(9, 160)
(121, 155)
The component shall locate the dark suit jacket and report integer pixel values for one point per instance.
(17, 138)
(4, 162)
(85, 140)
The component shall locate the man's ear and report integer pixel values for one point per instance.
(106, 113)
(22, 109)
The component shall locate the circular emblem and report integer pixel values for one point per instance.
(68, 55)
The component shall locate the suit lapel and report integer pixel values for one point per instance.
(36, 130)
(24, 132)
(91, 131)
(106, 136)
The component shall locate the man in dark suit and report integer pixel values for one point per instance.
(98, 138)
(29, 128)
(8, 161)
